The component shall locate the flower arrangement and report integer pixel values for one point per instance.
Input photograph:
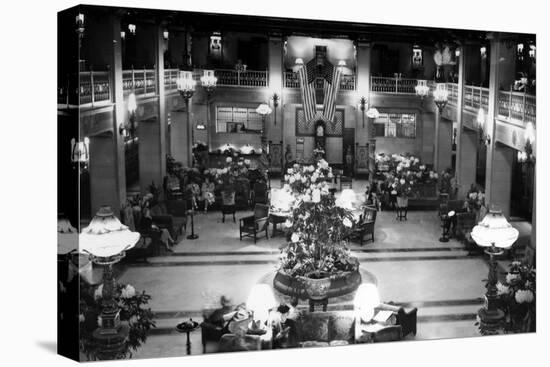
(475, 200)
(517, 298)
(133, 312)
(318, 225)
(234, 168)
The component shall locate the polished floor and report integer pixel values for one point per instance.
(412, 268)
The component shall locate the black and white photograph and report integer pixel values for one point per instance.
(272, 182)
(408, 214)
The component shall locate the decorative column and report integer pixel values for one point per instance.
(363, 134)
(152, 131)
(491, 113)
(440, 99)
(466, 141)
(107, 160)
(160, 48)
(275, 84)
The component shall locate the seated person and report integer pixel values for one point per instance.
(227, 313)
(207, 193)
(147, 225)
(284, 329)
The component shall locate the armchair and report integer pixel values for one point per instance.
(228, 204)
(260, 193)
(465, 222)
(252, 225)
(365, 226)
(405, 319)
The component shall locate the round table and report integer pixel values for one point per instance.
(187, 327)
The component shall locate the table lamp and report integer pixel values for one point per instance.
(260, 301)
(366, 299)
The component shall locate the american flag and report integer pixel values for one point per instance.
(307, 75)
(331, 85)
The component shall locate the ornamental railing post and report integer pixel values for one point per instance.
(133, 80)
(523, 107)
(92, 87)
(510, 104)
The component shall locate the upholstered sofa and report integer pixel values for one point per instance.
(325, 328)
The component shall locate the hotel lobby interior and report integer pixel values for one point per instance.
(251, 183)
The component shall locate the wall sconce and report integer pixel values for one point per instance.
(520, 51)
(275, 99)
(132, 28)
(80, 24)
(532, 51)
(80, 152)
(362, 106)
(441, 96)
(483, 52)
(165, 34)
(122, 35)
(201, 126)
(481, 121)
(129, 128)
(457, 52)
(216, 43)
(299, 61)
(416, 57)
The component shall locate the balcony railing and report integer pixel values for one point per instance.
(475, 97)
(517, 106)
(140, 82)
(347, 82)
(248, 78)
(393, 85)
(170, 79)
(452, 89)
(94, 87)
(226, 77)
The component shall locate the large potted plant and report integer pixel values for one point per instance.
(517, 299)
(232, 179)
(134, 312)
(316, 262)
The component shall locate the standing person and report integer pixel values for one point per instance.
(349, 162)
(207, 193)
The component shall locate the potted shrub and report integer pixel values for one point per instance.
(316, 255)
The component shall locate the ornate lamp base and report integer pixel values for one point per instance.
(490, 321)
(111, 346)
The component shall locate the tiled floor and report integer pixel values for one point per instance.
(410, 265)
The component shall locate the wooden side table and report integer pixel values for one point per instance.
(276, 219)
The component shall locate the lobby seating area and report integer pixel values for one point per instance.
(238, 215)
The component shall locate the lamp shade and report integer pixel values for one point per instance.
(263, 109)
(106, 236)
(366, 299)
(260, 301)
(346, 199)
(494, 230)
(373, 113)
(281, 200)
(67, 237)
